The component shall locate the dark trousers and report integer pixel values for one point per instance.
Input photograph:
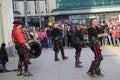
(94, 68)
(23, 58)
(78, 49)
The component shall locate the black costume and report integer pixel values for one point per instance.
(94, 45)
(57, 42)
(77, 42)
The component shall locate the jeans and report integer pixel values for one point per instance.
(49, 42)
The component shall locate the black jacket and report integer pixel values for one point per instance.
(78, 37)
(56, 32)
(3, 53)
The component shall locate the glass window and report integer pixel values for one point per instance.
(68, 4)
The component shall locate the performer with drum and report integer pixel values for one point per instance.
(22, 48)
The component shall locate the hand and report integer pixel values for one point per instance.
(105, 34)
(27, 46)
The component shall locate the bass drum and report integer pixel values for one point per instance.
(36, 49)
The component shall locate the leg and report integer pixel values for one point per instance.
(26, 59)
(19, 67)
(95, 64)
(62, 53)
(109, 38)
(56, 56)
(91, 71)
(77, 62)
(78, 49)
(97, 69)
(114, 42)
(20, 54)
(56, 50)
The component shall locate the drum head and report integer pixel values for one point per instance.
(36, 49)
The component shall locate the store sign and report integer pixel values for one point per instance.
(36, 18)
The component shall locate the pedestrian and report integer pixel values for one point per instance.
(57, 42)
(21, 47)
(78, 38)
(43, 37)
(94, 35)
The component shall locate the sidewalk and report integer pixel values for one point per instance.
(45, 68)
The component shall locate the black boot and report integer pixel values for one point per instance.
(98, 72)
(64, 57)
(26, 72)
(77, 65)
(56, 56)
(63, 54)
(19, 71)
(91, 71)
(29, 62)
(79, 61)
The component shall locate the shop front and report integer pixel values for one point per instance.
(101, 17)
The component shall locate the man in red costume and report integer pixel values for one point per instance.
(22, 48)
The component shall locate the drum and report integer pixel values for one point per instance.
(36, 49)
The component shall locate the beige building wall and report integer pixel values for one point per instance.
(30, 7)
(6, 20)
(19, 6)
(51, 5)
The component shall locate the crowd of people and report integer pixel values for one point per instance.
(44, 34)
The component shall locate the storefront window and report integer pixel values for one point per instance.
(70, 4)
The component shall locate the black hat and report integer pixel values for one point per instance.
(18, 22)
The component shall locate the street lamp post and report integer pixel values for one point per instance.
(39, 13)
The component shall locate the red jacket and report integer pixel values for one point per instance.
(17, 36)
(114, 33)
(43, 33)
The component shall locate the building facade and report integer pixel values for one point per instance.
(79, 11)
(6, 20)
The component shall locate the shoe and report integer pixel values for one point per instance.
(80, 62)
(91, 74)
(19, 73)
(56, 59)
(27, 74)
(101, 74)
(29, 62)
(64, 58)
(78, 66)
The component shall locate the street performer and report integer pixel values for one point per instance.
(94, 36)
(78, 38)
(57, 42)
(22, 48)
